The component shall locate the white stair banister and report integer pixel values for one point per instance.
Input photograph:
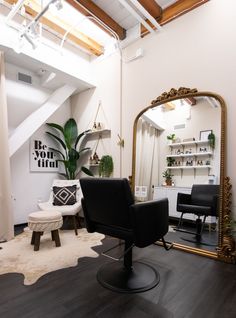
(34, 121)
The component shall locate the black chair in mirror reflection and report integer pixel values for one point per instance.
(109, 208)
(202, 202)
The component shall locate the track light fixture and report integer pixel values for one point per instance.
(30, 32)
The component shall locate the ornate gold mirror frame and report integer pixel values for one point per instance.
(226, 245)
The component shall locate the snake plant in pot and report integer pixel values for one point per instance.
(68, 139)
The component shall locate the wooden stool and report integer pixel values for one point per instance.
(42, 221)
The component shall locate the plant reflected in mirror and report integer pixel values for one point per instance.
(187, 159)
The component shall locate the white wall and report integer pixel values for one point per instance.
(195, 50)
(22, 99)
(30, 187)
(85, 105)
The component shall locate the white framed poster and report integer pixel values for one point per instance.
(204, 134)
(42, 158)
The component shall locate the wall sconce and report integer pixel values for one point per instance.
(121, 141)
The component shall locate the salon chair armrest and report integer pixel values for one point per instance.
(183, 198)
(215, 204)
(150, 221)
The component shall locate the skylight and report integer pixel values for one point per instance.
(62, 19)
(78, 21)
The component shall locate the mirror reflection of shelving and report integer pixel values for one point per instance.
(196, 154)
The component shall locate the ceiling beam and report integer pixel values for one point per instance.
(100, 14)
(135, 14)
(152, 7)
(146, 14)
(175, 10)
(179, 8)
(61, 27)
(191, 101)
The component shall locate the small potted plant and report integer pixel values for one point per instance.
(168, 177)
(171, 138)
(212, 138)
(106, 166)
(170, 161)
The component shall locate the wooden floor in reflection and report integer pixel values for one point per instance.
(209, 240)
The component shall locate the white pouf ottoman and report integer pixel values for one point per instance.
(42, 221)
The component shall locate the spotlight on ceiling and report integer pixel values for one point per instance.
(59, 4)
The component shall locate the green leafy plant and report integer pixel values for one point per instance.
(168, 176)
(211, 138)
(170, 161)
(171, 137)
(105, 166)
(68, 141)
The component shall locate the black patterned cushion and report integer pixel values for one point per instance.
(64, 195)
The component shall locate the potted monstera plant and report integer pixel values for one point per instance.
(68, 140)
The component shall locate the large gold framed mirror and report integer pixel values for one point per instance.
(179, 141)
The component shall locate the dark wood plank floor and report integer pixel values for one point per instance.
(190, 287)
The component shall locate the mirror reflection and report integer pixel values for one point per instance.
(178, 156)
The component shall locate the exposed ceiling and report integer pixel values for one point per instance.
(108, 17)
(123, 17)
(115, 17)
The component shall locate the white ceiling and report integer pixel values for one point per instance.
(35, 66)
(19, 59)
(117, 12)
(165, 3)
(121, 15)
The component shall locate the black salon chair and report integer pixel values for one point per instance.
(203, 201)
(109, 208)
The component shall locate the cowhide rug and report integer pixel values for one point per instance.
(18, 255)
